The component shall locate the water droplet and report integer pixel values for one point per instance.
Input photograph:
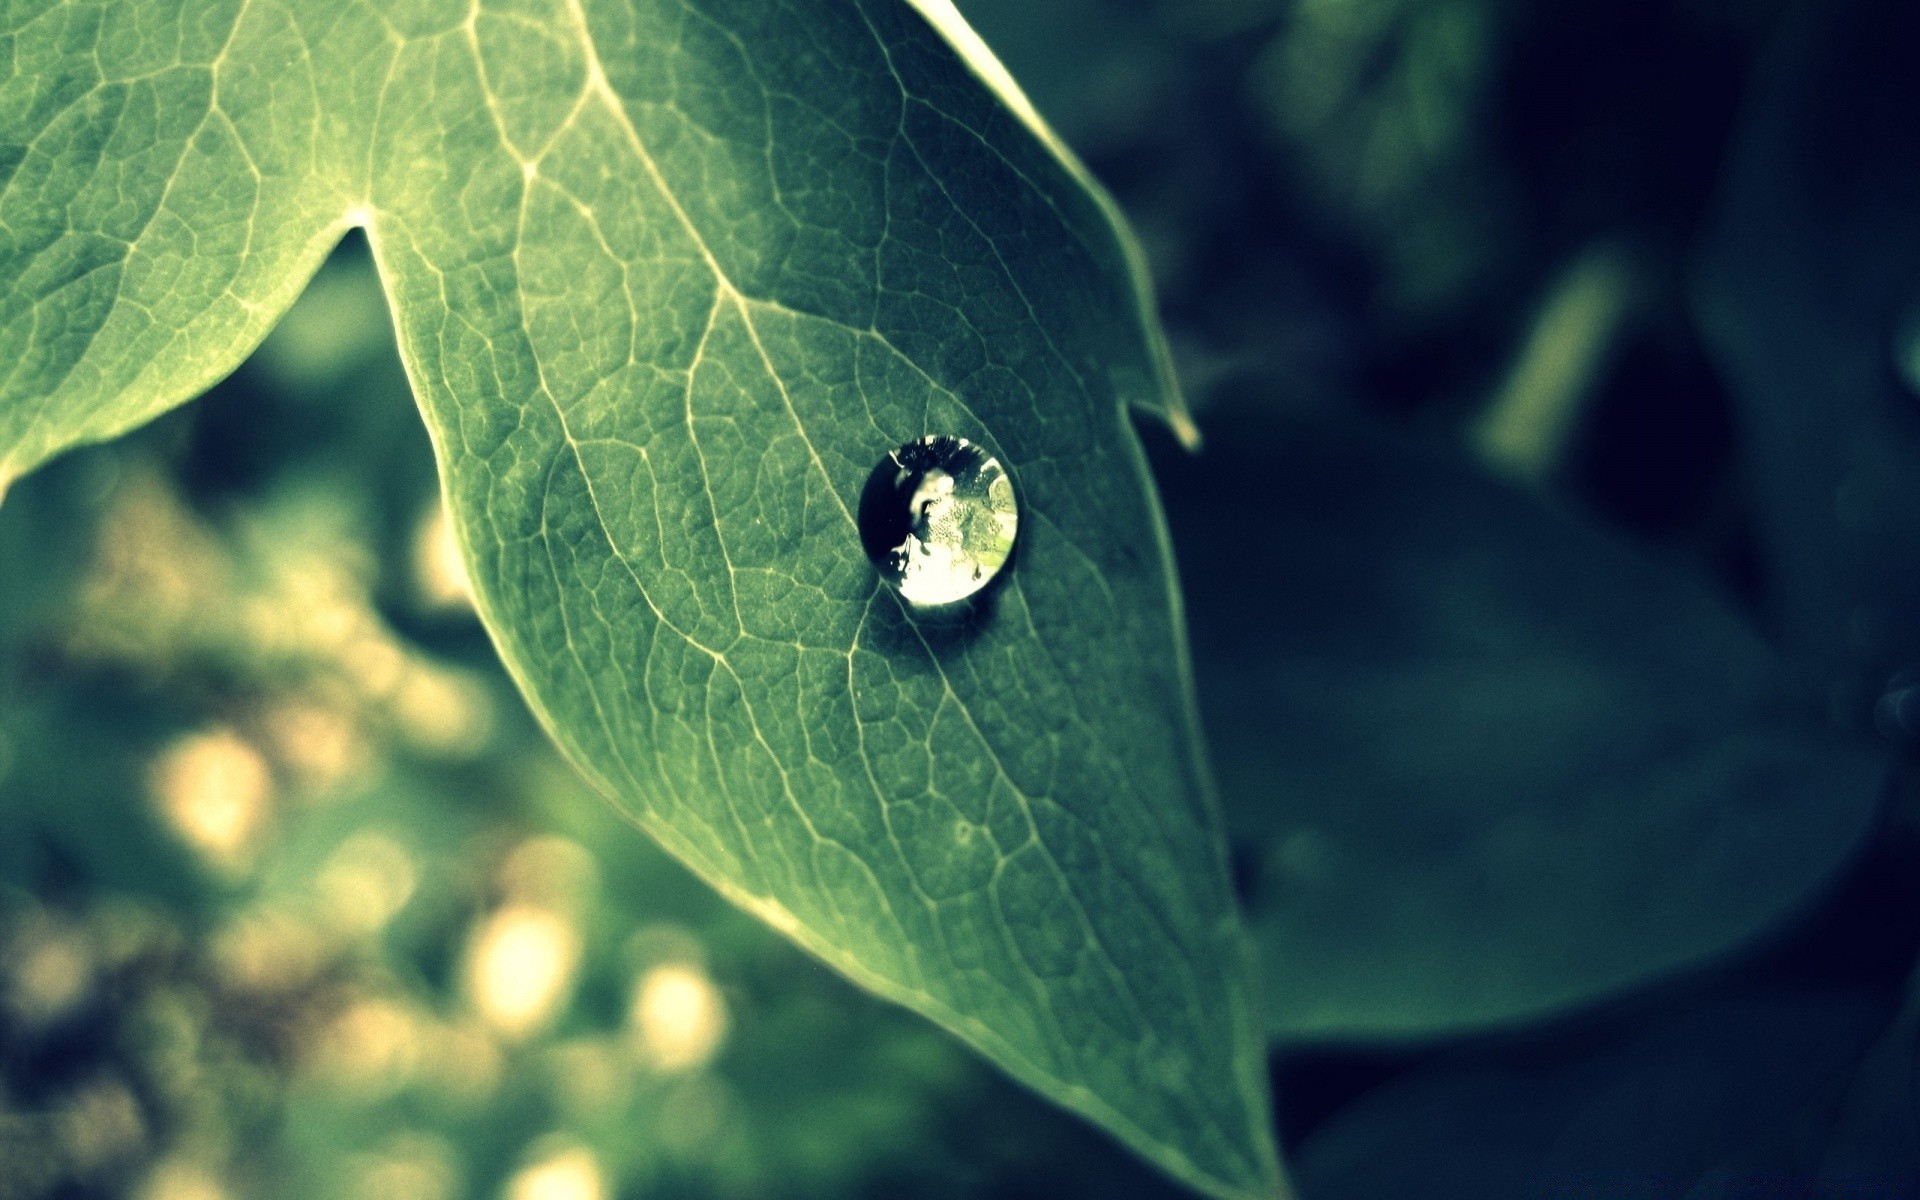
(938, 519)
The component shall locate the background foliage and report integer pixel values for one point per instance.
(1549, 579)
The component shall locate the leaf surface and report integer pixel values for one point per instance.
(669, 279)
(1484, 761)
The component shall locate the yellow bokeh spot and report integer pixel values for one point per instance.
(182, 1181)
(365, 882)
(568, 1174)
(156, 569)
(679, 1018)
(374, 663)
(52, 971)
(372, 1046)
(268, 951)
(442, 712)
(101, 1125)
(549, 871)
(439, 571)
(411, 1166)
(213, 788)
(520, 967)
(319, 742)
(316, 605)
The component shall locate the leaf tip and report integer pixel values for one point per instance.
(1181, 422)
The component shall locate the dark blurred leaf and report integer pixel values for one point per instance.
(1810, 275)
(1115, 84)
(1874, 1135)
(1648, 1110)
(1490, 762)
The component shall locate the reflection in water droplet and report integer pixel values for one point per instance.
(938, 519)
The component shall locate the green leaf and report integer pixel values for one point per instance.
(1808, 290)
(1486, 762)
(669, 278)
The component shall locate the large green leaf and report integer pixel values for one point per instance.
(669, 278)
(1487, 761)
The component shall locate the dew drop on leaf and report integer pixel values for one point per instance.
(938, 519)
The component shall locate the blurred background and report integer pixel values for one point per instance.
(1564, 357)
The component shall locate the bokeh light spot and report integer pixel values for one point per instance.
(174, 1180)
(372, 1047)
(50, 971)
(565, 1174)
(364, 882)
(214, 788)
(521, 964)
(439, 572)
(679, 1018)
